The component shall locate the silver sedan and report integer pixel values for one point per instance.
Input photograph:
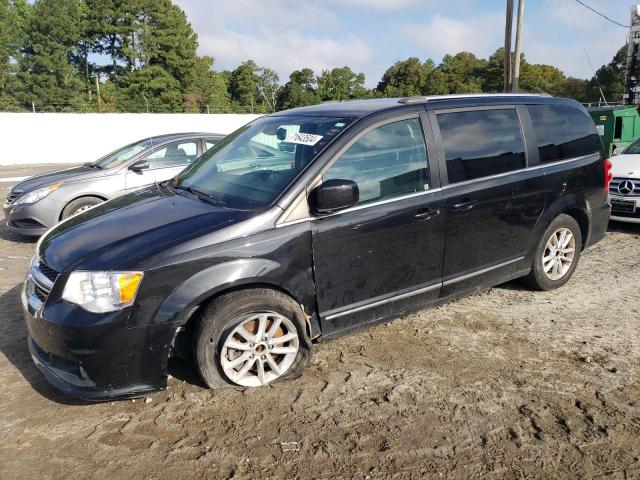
(37, 203)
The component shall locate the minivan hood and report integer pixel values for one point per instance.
(75, 173)
(118, 233)
(626, 166)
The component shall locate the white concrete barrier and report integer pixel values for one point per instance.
(30, 138)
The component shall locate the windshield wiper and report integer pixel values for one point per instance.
(93, 165)
(200, 194)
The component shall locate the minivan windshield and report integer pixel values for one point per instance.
(251, 167)
(117, 158)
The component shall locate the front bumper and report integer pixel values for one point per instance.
(629, 217)
(32, 219)
(94, 356)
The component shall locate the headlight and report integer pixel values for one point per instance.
(101, 292)
(38, 194)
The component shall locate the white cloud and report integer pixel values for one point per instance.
(285, 53)
(481, 35)
(274, 38)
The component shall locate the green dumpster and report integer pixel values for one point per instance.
(618, 126)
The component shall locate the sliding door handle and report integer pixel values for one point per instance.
(464, 206)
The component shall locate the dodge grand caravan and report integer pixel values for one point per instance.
(384, 206)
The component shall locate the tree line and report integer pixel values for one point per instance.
(141, 55)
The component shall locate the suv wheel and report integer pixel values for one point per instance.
(251, 338)
(80, 205)
(557, 255)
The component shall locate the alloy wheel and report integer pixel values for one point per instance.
(260, 349)
(559, 254)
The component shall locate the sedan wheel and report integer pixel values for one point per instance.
(260, 349)
(559, 254)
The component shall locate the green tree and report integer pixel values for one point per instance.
(570, 87)
(463, 72)
(610, 78)
(404, 79)
(300, 90)
(243, 86)
(341, 84)
(537, 78)
(207, 90)
(13, 20)
(268, 86)
(46, 73)
(152, 84)
(167, 40)
(493, 73)
(112, 28)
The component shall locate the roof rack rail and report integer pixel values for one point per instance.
(430, 98)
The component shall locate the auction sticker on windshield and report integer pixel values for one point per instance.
(303, 138)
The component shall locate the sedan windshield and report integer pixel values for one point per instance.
(117, 158)
(251, 167)
(633, 149)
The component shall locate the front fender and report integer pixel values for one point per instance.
(210, 282)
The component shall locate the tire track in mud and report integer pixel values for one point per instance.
(505, 383)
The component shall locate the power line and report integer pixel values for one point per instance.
(575, 28)
(308, 19)
(601, 14)
(382, 17)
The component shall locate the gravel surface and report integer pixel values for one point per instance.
(508, 383)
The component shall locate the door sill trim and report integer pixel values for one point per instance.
(383, 301)
(467, 276)
(393, 298)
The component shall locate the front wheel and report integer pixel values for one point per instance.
(251, 338)
(557, 254)
(80, 205)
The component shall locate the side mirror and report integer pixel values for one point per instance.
(139, 166)
(334, 195)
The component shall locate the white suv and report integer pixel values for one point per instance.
(624, 192)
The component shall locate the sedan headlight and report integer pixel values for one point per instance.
(101, 292)
(37, 194)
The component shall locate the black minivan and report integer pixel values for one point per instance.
(308, 224)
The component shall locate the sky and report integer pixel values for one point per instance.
(371, 35)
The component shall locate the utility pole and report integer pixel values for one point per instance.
(98, 91)
(516, 60)
(146, 101)
(508, 29)
(632, 71)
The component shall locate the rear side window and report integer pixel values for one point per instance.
(174, 154)
(386, 162)
(563, 132)
(481, 143)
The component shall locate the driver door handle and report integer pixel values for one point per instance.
(426, 213)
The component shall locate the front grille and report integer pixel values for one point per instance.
(625, 186)
(47, 271)
(40, 292)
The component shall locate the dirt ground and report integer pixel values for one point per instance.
(509, 383)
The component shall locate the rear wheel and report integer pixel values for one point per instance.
(80, 205)
(557, 255)
(251, 338)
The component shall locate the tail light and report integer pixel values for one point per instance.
(608, 174)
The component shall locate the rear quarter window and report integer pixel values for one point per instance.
(563, 132)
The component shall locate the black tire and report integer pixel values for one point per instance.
(224, 314)
(537, 278)
(78, 204)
